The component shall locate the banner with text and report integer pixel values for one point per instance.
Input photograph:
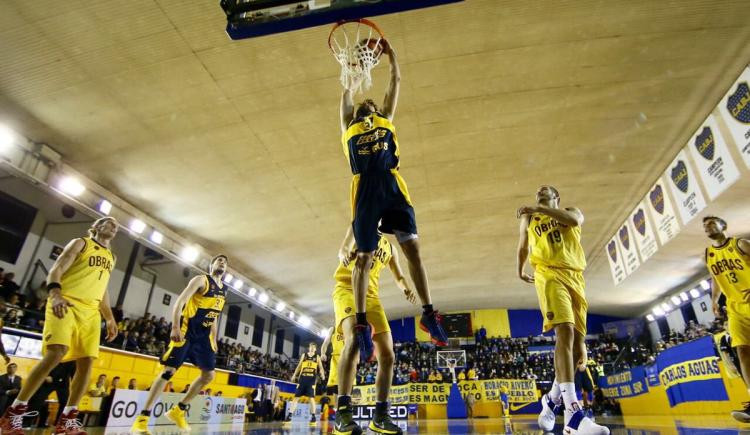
(518, 391)
(662, 211)
(612, 251)
(627, 248)
(735, 111)
(684, 185)
(643, 233)
(711, 155)
(626, 384)
(202, 410)
(690, 372)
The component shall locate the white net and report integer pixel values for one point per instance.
(357, 47)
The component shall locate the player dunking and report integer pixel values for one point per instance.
(307, 369)
(553, 235)
(379, 197)
(728, 261)
(343, 304)
(193, 338)
(72, 323)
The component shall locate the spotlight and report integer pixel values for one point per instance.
(291, 315)
(105, 207)
(695, 293)
(71, 186)
(189, 254)
(705, 284)
(323, 333)
(650, 317)
(156, 237)
(665, 306)
(305, 321)
(137, 226)
(252, 291)
(7, 137)
(238, 284)
(657, 311)
(228, 278)
(675, 300)
(684, 297)
(263, 298)
(280, 306)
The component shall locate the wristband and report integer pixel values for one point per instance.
(53, 285)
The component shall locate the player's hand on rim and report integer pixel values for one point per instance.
(60, 305)
(525, 210)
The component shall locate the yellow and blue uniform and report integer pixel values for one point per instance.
(198, 317)
(504, 400)
(559, 262)
(730, 270)
(337, 345)
(583, 380)
(83, 285)
(378, 193)
(343, 295)
(307, 376)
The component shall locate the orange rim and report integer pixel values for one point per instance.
(361, 21)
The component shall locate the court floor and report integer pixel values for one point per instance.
(689, 425)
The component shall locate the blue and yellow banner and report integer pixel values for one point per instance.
(625, 384)
(519, 391)
(690, 373)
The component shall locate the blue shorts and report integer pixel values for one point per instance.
(306, 389)
(381, 204)
(583, 381)
(200, 352)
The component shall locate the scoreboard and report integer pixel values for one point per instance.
(458, 325)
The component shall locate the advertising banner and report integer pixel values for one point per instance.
(518, 391)
(625, 384)
(202, 410)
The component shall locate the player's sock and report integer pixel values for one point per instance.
(554, 393)
(344, 401)
(146, 413)
(427, 309)
(361, 318)
(67, 409)
(20, 402)
(568, 391)
(182, 406)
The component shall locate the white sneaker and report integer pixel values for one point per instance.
(546, 418)
(578, 423)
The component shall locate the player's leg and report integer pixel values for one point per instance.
(312, 406)
(381, 422)
(347, 370)
(203, 355)
(360, 281)
(739, 330)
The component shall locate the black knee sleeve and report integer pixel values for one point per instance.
(167, 375)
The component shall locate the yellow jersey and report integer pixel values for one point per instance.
(555, 245)
(337, 343)
(381, 258)
(729, 268)
(86, 280)
(309, 368)
(370, 145)
(202, 309)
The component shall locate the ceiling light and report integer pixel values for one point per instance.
(650, 317)
(228, 278)
(7, 137)
(665, 306)
(263, 298)
(684, 297)
(675, 300)
(71, 186)
(305, 321)
(291, 315)
(189, 254)
(705, 284)
(105, 206)
(238, 283)
(658, 311)
(323, 333)
(137, 226)
(252, 291)
(156, 237)
(695, 293)
(280, 306)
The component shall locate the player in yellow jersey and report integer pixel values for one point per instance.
(193, 338)
(380, 201)
(78, 298)
(343, 303)
(551, 236)
(307, 369)
(728, 261)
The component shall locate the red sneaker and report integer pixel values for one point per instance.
(69, 424)
(12, 421)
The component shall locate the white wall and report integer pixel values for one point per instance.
(703, 311)
(675, 321)
(653, 328)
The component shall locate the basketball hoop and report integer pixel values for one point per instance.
(357, 46)
(451, 359)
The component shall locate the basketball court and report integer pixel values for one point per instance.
(211, 127)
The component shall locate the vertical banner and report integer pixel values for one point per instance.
(715, 164)
(615, 261)
(735, 110)
(627, 248)
(662, 211)
(643, 233)
(687, 195)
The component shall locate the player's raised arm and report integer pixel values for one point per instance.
(571, 216)
(391, 96)
(62, 264)
(347, 109)
(398, 275)
(196, 284)
(523, 248)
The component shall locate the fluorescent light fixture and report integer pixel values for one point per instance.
(189, 254)
(650, 317)
(263, 298)
(695, 293)
(252, 291)
(105, 206)
(280, 306)
(291, 315)
(305, 321)
(156, 237)
(657, 311)
(7, 137)
(228, 278)
(665, 306)
(675, 300)
(238, 283)
(684, 297)
(71, 186)
(705, 284)
(137, 226)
